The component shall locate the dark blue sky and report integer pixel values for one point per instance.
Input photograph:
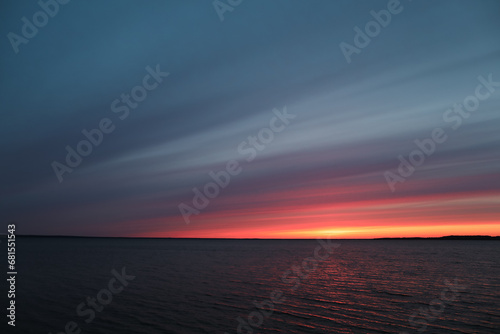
(352, 120)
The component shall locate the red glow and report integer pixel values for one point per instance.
(292, 214)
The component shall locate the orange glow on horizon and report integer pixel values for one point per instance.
(362, 232)
(424, 216)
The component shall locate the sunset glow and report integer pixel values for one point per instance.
(255, 131)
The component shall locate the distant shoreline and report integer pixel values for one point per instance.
(449, 237)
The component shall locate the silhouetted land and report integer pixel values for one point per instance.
(449, 237)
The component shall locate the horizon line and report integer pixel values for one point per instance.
(198, 238)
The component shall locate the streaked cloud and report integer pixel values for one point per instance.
(324, 173)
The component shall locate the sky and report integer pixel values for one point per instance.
(309, 126)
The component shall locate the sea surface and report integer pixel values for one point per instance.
(216, 286)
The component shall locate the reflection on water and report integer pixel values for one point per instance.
(213, 286)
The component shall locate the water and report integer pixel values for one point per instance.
(203, 286)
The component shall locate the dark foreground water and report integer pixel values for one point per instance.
(214, 286)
